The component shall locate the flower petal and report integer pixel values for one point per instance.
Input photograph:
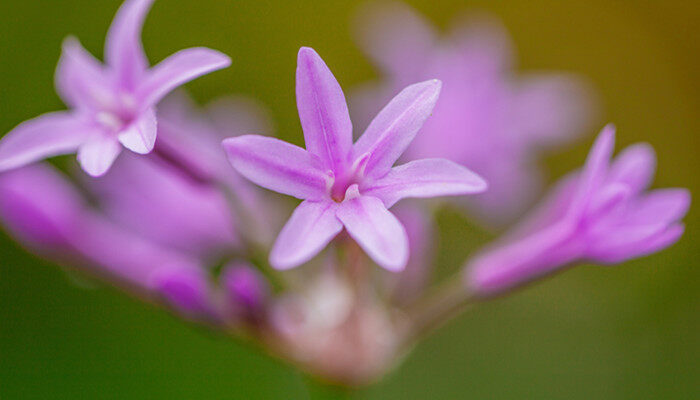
(178, 69)
(425, 178)
(310, 228)
(390, 133)
(376, 230)
(660, 206)
(186, 290)
(47, 213)
(277, 165)
(97, 154)
(80, 79)
(634, 167)
(629, 247)
(40, 208)
(506, 265)
(45, 136)
(123, 49)
(595, 169)
(323, 112)
(154, 200)
(140, 136)
(398, 39)
(551, 109)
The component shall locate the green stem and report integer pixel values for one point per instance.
(445, 302)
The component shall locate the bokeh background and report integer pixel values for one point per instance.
(631, 332)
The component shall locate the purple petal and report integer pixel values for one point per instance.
(157, 202)
(98, 153)
(123, 49)
(48, 214)
(398, 39)
(187, 290)
(513, 264)
(595, 169)
(660, 206)
(178, 69)
(45, 136)
(551, 109)
(390, 133)
(634, 167)
(246, 288)
(609, 198)
(376, 230)
(623, 243)
(81, 80)
(140, 136)
(310, 228)
(277, 165)
(425, 178)
(665, 239)
(40, 207)
(323, 112)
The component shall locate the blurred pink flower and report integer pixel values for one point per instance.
(151, 226)
(601, 214)
(487, 117)
(111, 103)
(346, 185)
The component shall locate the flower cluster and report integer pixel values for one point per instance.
(181, 221)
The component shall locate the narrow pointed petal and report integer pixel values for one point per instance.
(666, 239)
(552, 109)
(277, 165)
(634, 167)
(396, 38)
(45, 136)
(154, 200)
(140, 136)
(80, 79)
(310, 228)
(40, 208)
(423, 179)
(47, 213)
(97, 154)
(177, 70)
(511, 264)
(596, 168)
(660, 206)
(123, 49)
(323, 111)
(624, 242)
(376, 230)
(390, 133)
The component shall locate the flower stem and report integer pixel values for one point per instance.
(445, 302)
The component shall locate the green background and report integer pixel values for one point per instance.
(592, 333)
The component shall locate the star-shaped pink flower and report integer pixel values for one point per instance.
(112, 105)
(346, 185)
(602, 214)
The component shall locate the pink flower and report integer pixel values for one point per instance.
(151, 227)
(488, 118)
(345, 185)
(602, 215)
(112, 105)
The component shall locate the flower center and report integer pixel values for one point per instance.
(117, 113)
(347, 186)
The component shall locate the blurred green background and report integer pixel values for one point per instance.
(591, 333)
